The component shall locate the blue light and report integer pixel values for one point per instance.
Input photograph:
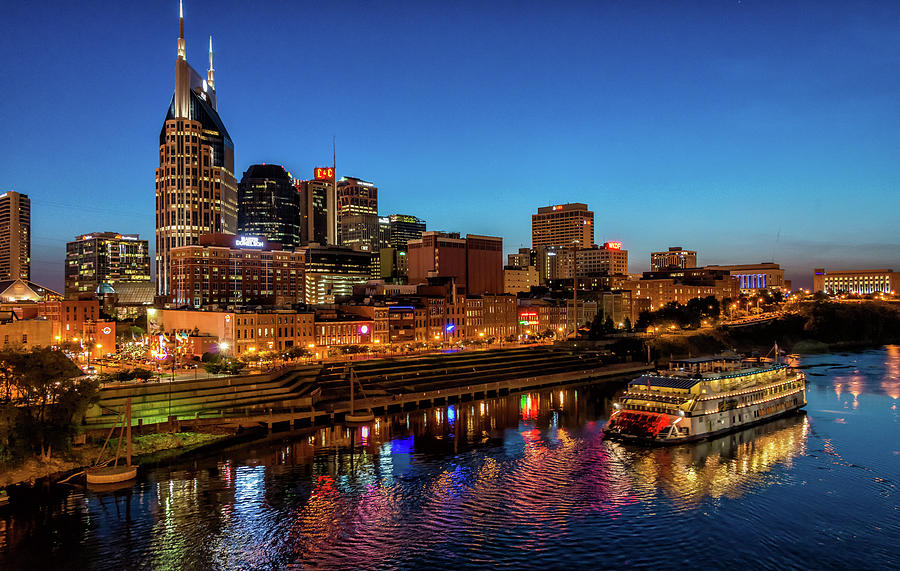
(450, 327)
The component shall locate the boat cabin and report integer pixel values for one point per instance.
(708, 364)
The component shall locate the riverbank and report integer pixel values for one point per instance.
(811, 328)
(149, 446)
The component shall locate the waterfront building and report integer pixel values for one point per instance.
(334, 328)
(224, 270)
(110, 258)
(15, 236)
(660, 291)
(608, 259)
(235, 332)
(674, 257)
(404, 228)
(516, 279)
(318, 212)
(563, 225)
(196, 192)
(537, 316)
(269, 205)
(755, 277)
(475, 262)
(856, 281)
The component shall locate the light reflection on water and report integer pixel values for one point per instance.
(524, 481)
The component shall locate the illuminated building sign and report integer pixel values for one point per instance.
(364, 329)
(324, 173)
(557, 208)
(613, 245)
(528, 318)
(106, 330)
(248, 242)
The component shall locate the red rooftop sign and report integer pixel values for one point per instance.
(324, 173)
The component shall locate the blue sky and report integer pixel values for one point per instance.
(749, 131)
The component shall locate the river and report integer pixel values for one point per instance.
(524, 481)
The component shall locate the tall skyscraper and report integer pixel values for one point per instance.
(269, 205)
(15, 236)
(318, 212)
(404, 228)
(105, 258)
(562, 225)
(196, 192)
(355, 196)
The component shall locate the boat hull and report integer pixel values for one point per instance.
(358, 418)
(111, 474)
(644, 441)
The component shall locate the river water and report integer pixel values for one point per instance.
(521, 481)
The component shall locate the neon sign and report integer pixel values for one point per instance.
(106, 330)
(364, 329)
(249, 242)
(528, 318)
(324, 173)
(613, 245)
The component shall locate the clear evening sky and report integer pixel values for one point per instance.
(749, 131)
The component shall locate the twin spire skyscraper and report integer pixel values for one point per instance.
(196, 192)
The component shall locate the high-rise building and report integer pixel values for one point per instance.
(608, 259)
(404, 228)
(475, 262)
(318, 212)
(269, 205)
(105, 258)
(15, 236)
(355, 196)
(196, 192)
(563, 225)
(364, 232)
(331, 272)
(675, 257)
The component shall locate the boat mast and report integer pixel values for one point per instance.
(128, 430)
(351, 391)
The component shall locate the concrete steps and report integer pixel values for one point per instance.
(207, 398)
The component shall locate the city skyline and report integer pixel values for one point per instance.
(755, 160)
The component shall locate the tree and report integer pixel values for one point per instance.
(297, 352)
(50, 395)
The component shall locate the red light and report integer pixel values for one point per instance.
(613, 245)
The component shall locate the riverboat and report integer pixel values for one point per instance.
(704, 397)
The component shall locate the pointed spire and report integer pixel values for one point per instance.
(211, 73)
(181, 54)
